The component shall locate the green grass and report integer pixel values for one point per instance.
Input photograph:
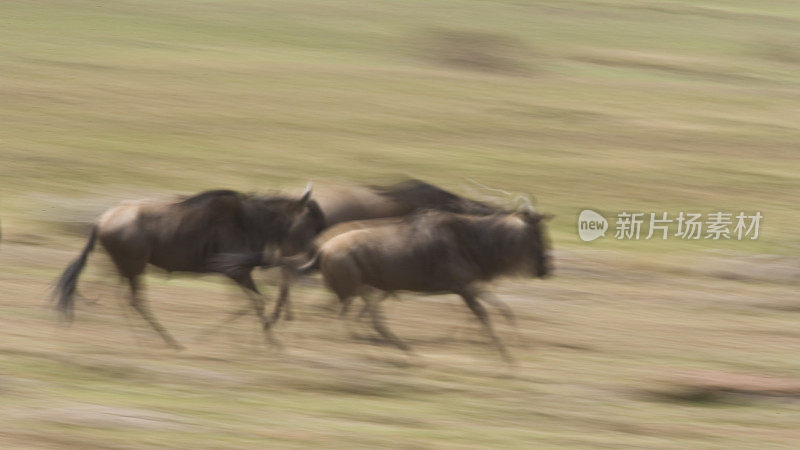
(609, 105)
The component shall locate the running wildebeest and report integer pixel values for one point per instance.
(186, 235)
(356, 203)
(431, 252)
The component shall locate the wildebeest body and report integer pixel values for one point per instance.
(186, 235)
(183, 236)
(432, 252)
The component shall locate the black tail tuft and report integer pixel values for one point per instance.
(65, 288)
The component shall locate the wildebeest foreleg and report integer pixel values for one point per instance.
(138, 303)
(505, 310)
(480, 312)
(283, 297)
(246, 282)
(379, 323)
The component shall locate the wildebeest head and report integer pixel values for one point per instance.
(539, 242)
(308, 221)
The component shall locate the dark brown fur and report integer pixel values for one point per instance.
(187, 235)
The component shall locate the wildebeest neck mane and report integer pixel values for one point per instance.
(425, 195)
(206, 196)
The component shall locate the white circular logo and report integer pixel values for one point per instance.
(591, 225)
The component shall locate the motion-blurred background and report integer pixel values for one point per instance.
(611, 105)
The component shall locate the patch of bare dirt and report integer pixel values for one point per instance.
(475, 50)
(715, 385)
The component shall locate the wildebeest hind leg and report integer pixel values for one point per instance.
(139, 304)
(365, 309)
(480, 312)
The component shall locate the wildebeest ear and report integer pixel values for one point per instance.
(306, 194)
(546, 217)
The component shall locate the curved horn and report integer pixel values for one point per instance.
(523, 202)
(307, 193)
(518, 201)
(481, 185)
(494, 196)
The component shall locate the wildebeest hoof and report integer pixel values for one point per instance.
(274, 345)
(508, 359)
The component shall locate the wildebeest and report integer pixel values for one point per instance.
(186, 235)
(356, 203)
(395, 200)
(432, 252)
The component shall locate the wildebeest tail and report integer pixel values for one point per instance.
(234, 263)
(65, 288)
(310, 266)
(301, 264)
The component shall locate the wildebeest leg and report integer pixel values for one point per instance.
(378, 322)
(246, 282)
(283, 297)
(480, 312)
(505, 310)
(139, 304)
(363, 312)
(288, 276)
(230, 318)
(365, 308)
(345, 308)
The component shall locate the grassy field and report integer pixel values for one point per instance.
(610, 105)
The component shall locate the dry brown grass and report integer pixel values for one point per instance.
(610, 353)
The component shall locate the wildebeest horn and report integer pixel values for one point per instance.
(483, 186)
(523, 202)
(518, 201)
(307, 193)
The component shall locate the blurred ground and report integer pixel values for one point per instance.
(609, 105)
(609, 355)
